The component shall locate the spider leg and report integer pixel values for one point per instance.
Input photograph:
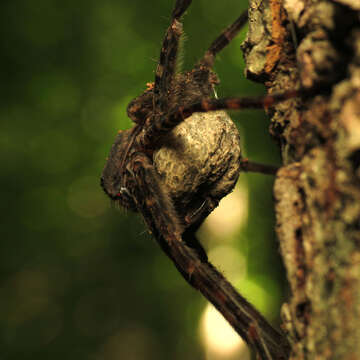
(163, 124)
(161, 218)
(166, 68)
(224, 39)
(180, 7)
(231, 103)
(249, 166)
(192, 241)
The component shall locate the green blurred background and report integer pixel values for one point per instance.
(79, 278)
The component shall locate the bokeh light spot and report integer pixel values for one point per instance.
(230, 260)
(230, 215)
(220, 339)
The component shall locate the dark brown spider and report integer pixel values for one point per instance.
(177, 162)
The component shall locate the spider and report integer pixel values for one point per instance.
(175, 164)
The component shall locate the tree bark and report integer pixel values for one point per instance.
(303, 43)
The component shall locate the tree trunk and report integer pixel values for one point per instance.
(302, 43)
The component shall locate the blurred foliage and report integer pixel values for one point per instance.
(80, 279)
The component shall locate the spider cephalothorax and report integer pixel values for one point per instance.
(177, 162)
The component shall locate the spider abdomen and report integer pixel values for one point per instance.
(199, 160)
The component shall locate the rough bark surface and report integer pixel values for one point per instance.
(307, 43)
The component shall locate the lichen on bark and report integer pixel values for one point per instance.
(317, 192)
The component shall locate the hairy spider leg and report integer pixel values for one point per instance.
(161, 218)
(165, 71)
(157, 209)
(224, 39)
(231, 103)
(206, 105)
(180, 7)
(166, 68)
